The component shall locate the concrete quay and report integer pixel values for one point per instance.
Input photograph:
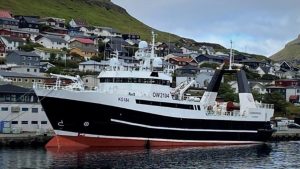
(24, 139)
(286, 135)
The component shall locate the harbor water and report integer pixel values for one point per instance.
(270, 155)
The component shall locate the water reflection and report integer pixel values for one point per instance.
(273, 155)
(211, 157)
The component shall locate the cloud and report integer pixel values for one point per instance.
(263, 26)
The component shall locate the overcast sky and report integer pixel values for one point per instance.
(255, 26)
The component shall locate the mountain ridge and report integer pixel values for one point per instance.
(290, 52)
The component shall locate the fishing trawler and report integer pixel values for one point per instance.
(138, 108)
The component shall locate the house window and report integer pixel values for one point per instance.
(86, 80)
(29, 58)
(4, 108)
(25, 109)
(24, 122)
(298, 90)
(34, 122)
(28, 70)
(20, 80)
(26, 80)
(34, 70)
(35, 110)
(32, 80)
(14, 122)
(43, 122)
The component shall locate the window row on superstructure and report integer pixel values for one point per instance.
(172, 105)
(135, 80)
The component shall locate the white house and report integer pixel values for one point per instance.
(52, 42)
(12, 43)
(202, 80)
(254, 86)
(186, 50)
(91, 65)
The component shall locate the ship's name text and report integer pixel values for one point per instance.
(161, 95)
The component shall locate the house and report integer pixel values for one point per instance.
(5, 14)
(20, 106)
(188, 69)
(82, 42)
(162, 49)
(30, 24)
(23, 79)
(188, 50)
(12, 43)
(285, 74)
(109, 32)
(77, 23)
(289, 93)
(33, 70)
(45, 66)
(202, 80)
(91, 65)
(252, 64)
(171, 55)
(23, 58)
(182, 61)
(116, 44)
(262, 70)
(287, 82)
(131, 36)
(53, 22)
(207, 50)
(15, 33)
(85, 52)
(45, 53)
(211, 58)
(52, 42)
(168, 67)
(256, 86)
(2, 49)
(9, 23)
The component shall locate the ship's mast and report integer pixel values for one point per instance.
(230, 56)
(153, 42)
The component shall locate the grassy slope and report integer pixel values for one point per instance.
(92, 12)
(290, 52)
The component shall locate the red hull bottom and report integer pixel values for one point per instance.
(88, 142)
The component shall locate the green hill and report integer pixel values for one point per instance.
(98, 13)
(290, 52)
(94, 12)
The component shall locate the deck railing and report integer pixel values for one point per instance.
(265, 106)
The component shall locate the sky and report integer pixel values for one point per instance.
(255, 26)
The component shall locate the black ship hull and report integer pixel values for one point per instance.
(90, 124)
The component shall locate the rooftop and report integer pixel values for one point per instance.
(9, 88)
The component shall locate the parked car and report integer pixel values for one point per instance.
(294, 125)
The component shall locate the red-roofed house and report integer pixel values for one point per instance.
(5, 14)
(182, 61)
(81, 43)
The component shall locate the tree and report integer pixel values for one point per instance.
(29, 47)
(209, 65)
(52, 58)
(269, 77)
(227, 93)
(276, 98)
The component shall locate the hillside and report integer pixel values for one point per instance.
(94, 12)
(100, 13)
(290, 52)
